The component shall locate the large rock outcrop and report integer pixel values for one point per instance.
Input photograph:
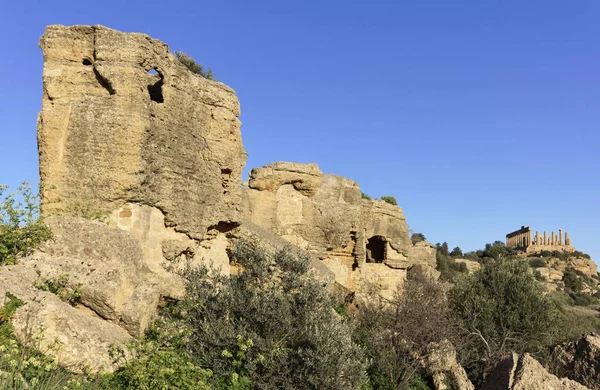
(360, 241)
(130, 136)
(119, 293)
(446, 372)
(123, 121)
(579, 361)
(522, 372)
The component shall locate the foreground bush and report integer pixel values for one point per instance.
(21, 229)
(397, 332)
(23, 367)
(271, 326)
(503, 309)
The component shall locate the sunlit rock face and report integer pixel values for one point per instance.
(361, 241)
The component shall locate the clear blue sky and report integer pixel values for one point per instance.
(478, 116)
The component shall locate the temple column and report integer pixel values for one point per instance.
(553, 239)
(560, 241)
(545, 238)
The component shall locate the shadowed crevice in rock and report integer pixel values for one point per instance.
(104, 82)
(224, 226)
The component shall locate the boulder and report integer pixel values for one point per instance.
(119, 294)
(422, 271)
(522, 372)
(447, 373)
(579, 361)
(472, 266)
(107, 263)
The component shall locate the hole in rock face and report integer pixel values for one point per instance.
(224, 226)
(376, 249)
(86, 62)
(155, 89)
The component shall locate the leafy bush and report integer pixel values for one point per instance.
(396, 334)
(571, 280)
(193, 66)
(503, 309)
(448, 267)
(390, 200)
(365, 196)
(456, 252)
(21, 228)
(417, 237)
(27, 368)
(167, 369)
(582, 299)
(272, 325)
(537, 263)
(562, 255)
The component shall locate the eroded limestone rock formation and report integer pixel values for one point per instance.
(523, 372)
(124, 122)
(129, 135)
(446, 372)
(361, 241)
(579, 361)
(119, 293)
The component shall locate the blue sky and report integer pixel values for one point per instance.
(478, 116)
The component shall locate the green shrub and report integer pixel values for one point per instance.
(273, 324)
(504, 310)
(396, 333)
(417, 237)
(578, 322)
(583, 299)
(390, 200)
(167, 369)
(418, 382)
(537, 262)
(193, 66)
(26, 368)
(457, 252)
(448, 267)
(21, 229)
(365, 196)
(571, 280)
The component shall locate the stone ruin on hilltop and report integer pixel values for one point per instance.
(128, 133)
(524, 240)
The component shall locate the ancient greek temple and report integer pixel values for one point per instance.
(524, 239)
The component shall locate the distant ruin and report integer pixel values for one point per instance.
(523, 239)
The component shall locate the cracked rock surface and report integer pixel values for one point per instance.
(123, 120)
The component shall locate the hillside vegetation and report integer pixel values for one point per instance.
(274, 325)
